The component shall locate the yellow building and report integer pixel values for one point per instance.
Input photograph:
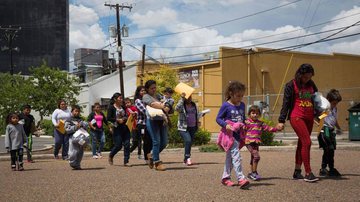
(264, 72)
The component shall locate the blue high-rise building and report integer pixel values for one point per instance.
(44, 34)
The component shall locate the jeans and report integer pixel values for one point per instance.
(188, 137)
(136, 141)
(97, 136)
(61, 140)
(159, 136)
(233, 160)
(121, 137)
(16, 156)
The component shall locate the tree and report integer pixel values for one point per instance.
(164, 77)
(15, 91)
(49, 85)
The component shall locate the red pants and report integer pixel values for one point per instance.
(303, 128)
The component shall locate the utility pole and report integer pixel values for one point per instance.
(142, 65)
(118, 7)
(10, 35)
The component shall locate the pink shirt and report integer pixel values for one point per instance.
(99, 119)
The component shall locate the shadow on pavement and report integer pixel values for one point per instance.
(31, 169)
(181, 168)
(273, 178)
(350, 174)
(206, 163)
(254, 184)
(98, 168)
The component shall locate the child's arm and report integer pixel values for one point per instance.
(7, 137)
(265, 127)
(70, 128)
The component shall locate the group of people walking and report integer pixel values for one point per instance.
(150, 130)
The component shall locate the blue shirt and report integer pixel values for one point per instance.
(232, 113)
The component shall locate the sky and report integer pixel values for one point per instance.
(189, 30)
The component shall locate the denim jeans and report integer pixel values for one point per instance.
(61, 140)
(188, 137)
(159, 136)
(121, 137)
(136, 141)
(233, 160)
(97, 136)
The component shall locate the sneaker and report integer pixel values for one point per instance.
(150, 161)
(159, 166)
(334, 172)
(13, 167)
(127, 164)
(310, 178)
(111, 161)
(227, 182)
(258, 177)
(21, 168)
(243, 183)
(140, 157)
(95, 156)
(56, 157)
(99, 155)
(65, 158)
(297, 175)
(188, 162)
(252, 176)
(30, 161)
(323, 172)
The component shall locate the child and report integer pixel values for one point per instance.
(233, 110)
(168, 100)
(253, 127)
(28, 122)
(96, 120)
(136, 139)
(76, 144)
(327, 136)
(15, 138)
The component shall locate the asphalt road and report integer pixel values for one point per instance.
(54, 180)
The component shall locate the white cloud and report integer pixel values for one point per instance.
(85, 31)
(153, 19)
(222, 2)
(345, 22)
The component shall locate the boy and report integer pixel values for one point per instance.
(28, 122)
(327, 135)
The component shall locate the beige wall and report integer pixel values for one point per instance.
(338, 71)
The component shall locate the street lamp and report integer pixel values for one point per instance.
(10, 35)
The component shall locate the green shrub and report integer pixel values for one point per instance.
(47, 126)
(267, 138)
(210, 148)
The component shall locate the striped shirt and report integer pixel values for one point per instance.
(254, 128)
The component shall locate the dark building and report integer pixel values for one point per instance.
(44, 34)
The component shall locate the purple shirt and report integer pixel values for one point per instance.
(232, 113)
(191, 115)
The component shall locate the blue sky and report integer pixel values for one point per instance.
(249, 23)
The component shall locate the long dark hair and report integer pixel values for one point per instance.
(303, 69)
(137, 92)
(114, 97)
(9, 116)
(148, 84)
(59, 102)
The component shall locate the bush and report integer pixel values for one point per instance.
(267, 138)
(47, 126)
(210, 148)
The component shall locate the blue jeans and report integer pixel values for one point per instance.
(121, 137)
(97, 136)
(61, 140)
(159, 136)
(188, 137)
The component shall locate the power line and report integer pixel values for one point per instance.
(263, 37)
(216, 24)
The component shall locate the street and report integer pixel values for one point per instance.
(54, 180)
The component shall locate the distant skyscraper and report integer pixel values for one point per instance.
(44, 33)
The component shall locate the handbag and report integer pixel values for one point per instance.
(155, 113)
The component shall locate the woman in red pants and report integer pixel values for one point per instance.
(298, 107)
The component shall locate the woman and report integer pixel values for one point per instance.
(59, 117)
(121, 135)
(141, 122)
(156, 126)
(298, 107)
(187, 124)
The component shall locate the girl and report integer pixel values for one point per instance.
(136, 140)
(15, 138)
(61, 139)
(298, 107)
(121, 135)
(187, 124)
(233, 110)
(76, 144)
(96, 121)
(254, 127)
(141, 122)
